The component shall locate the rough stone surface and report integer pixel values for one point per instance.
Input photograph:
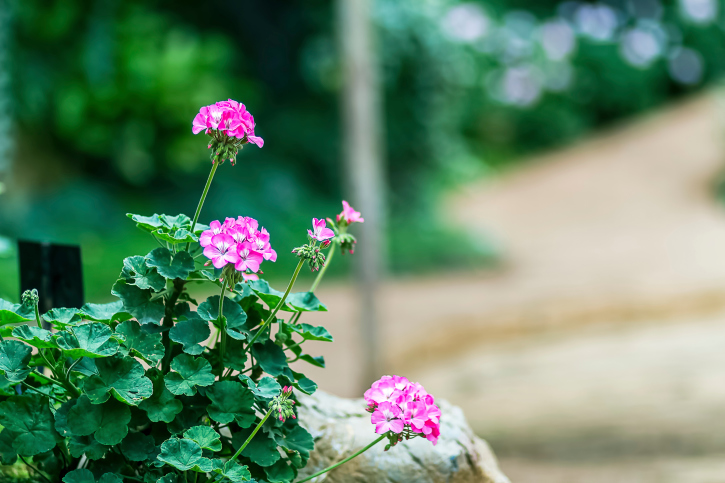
(341, 426)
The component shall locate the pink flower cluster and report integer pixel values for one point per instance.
(237, 241)
(319, 231)
(397, 405)
(229, 117)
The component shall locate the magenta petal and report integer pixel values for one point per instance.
(397, 426)
(219, 262)
(256, 140)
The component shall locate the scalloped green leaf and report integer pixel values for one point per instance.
(8, 456)
(105, 312)
(170, 265)
(81, 475)
(34, 336)
(139, 303)
(88, 446)
(190, 334)
(62, 317)
(272, 359)
(162, 405)
(30, 418)
(299, 439)
(267, 389)
(230, 401)
(232, 470)
(137, 273)
(310, 332)
(205, 437)
(138, 446)
(269, 296)
(262, 449)
(280, 472)
(14, 313)
(14, 359)
(190, 372)
(182, 454)
(91, 339)
(146, 223)
(182, 235)
(136, 339)
(306, 302)
(235, 316)
(61, 417)
(108, 422)
(122, 377)
(234, 357)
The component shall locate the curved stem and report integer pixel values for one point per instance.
(223, 322)
(324, 267)
(37, 316)
(41, 393)
(279, 305)
(34, 469)
(329, 468)
(241, 448)
(201, 200)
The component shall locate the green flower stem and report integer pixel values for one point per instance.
(279, 305)
(329, 468)
(37, 472)
(37, 316)
(201, 201)
(169, 322)
(324, 267)
(223, 330)
(241, 448)
(39, 392)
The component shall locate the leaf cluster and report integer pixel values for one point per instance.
(139, 390)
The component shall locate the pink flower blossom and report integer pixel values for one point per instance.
(221, 250)
(386, 418)
(248, 258)
(214, 229)
(319, 231)
(398, 405)
(228, 117)
(349, 214)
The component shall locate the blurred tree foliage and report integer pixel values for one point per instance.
(104, 92)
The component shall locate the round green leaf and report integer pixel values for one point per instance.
(14, 313)
(88, 446)
(34, 336)
(87, 340)
(138, 446)
(137, 273)
(29, 417)
(229, 401)
(205, 437)
(299, 439)
(182, 454)
(262, 449)
(232, 470)
(138, 302)
(170, 265)
(62, 317)
(190, 333)
(8, 455)
(14, 360)
(108, 422)
(310, 332)
(136, 339)
(121, 376)
(280, 472)
(105, 312)
(61, 417)
(162, 405)
(79, 476)
(235, 316)
(267, 388)
(269, 296)
(190, 372)
(305, 302)
(272, 359)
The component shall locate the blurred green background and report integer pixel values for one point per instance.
(97, 98)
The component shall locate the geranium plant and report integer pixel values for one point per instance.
(159, 387)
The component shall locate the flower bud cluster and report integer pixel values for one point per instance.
(30, 298)
(283, 405)
(311, 252)
(238, 246)
(230, 126)
(403, 410)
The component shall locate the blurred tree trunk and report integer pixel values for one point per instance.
(362, 127)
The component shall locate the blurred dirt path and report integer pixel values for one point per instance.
(618, 228)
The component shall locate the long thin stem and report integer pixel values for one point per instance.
(201, 200)
(330, 468)
(39, 392)
(241, 448)
(35, 469)
(279, 305)
(324, 267)
(223, 322)
(37, 316)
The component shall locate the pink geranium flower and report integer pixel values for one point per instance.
(385, 418)
(349, 214)
(319, 231)
(214, 229)
(248, 258)
(221, 250)
(230, 118)
(416, 415)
